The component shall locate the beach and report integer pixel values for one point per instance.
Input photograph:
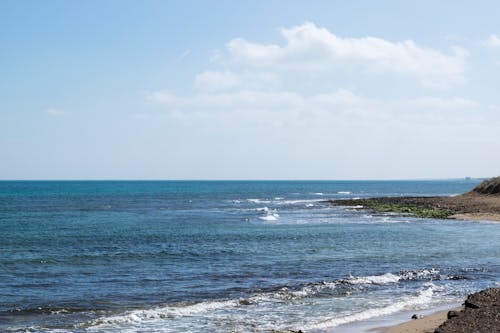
(480, 313)
(426, 324)
(480, 204)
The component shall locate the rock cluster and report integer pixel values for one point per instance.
(481, 314)
(490, 186)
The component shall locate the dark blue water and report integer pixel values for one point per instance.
(234, 256)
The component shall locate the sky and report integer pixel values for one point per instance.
(249, 90)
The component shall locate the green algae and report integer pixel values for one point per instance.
(406, 209)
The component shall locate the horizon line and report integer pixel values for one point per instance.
(240, 179)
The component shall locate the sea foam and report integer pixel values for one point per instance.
(423, 297)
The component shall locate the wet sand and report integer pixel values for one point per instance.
(480, 314)
(427, 324)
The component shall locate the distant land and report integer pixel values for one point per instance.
(482, 203)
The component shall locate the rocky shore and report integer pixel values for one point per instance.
(482, 203)
(480, 315)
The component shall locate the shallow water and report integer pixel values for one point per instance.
(227, 256)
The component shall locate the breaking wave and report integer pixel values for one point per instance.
(423, 297)
(288, 296)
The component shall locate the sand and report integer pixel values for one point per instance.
(480, 314)
(476, 217)
(426, 324)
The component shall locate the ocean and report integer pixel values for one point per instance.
(228, 256)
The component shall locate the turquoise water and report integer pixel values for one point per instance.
(235, 256)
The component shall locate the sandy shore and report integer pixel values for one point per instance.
(427, 324)
(476, 217)
(480, 314)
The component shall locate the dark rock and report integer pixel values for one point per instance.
(481, 314)
(490, 186)
(471, 305)
(417, 316)
(245, 302)
(452, 314)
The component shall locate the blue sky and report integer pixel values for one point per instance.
(257, 90)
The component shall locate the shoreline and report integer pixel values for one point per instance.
(468, 206)
(401, 322)
(427, 324)
(480, 312)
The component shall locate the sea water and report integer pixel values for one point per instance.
(228, 256)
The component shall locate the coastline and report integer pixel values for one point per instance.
(401, 322)
(427, 324)
(468, 206)
(479, 313)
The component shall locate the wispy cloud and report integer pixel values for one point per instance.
(283, 103)
(184, 54)
(54, 112)
(492, 41)
(227, 80)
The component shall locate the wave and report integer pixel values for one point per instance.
(431, 274)
(281, 201)
(285, 296)
(352, 283)
(258, 201)
(136, 317)
(46, 310)
(343, 192)
(270, 217)
(423, 297)
(296, 202)
(375, 279)
(269, 214)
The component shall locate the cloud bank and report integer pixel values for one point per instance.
(308, 47)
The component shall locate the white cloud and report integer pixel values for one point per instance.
(492, 41)
(214, 81)
(284, 103)
(226, 80)
(309, 47)
(232, 101)
(341, 97)
(454, 103)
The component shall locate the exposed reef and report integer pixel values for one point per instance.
(482, 203)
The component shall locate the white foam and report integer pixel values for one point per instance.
(257, 201)
(270, 217)
(375, 279)
(343, 192)
(269, 214)
(318, 193)
(137, 317)
(421, 274)
(423, 297)
(294, 202)
(314, 289)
